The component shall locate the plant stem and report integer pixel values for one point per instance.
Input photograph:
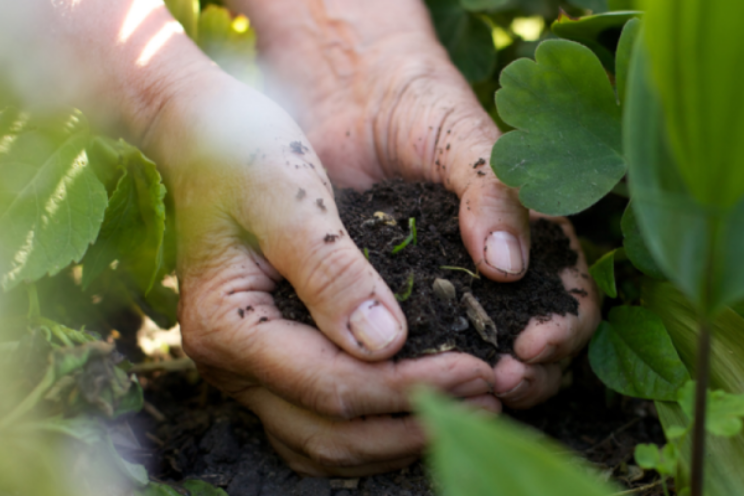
(698, 430)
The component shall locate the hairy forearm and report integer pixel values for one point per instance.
(117, 60)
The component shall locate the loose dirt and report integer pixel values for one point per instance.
(444, 318)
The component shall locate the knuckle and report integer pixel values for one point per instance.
(330, 273)
(324, 451)
(330, 398)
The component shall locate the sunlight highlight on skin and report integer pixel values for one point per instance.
(137, 14)
(157, 41)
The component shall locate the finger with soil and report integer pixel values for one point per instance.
(521, 385)
(563, 336)
(302, 366)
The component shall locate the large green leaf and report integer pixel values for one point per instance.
(634, 355)
(598, 32)
(466, 37)
(698, 248)
(623, 54)
(51, 201)
(134, 225)
(696, 53)
(476, 457)
(567, 151)
(724, 456)
(636, 248)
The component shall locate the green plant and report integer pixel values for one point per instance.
(87, 232)
(645, 106)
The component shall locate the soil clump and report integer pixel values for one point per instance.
(448, 306)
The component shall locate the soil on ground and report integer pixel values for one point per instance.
(192, 431)
(379, 221)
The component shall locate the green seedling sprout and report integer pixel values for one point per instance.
(409, 289)
(411, 236)
(366, 253)
(472, 274)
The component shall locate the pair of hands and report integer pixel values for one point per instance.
(377, 97)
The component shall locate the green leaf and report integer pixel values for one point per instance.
(466, 37)
(698, 248)
(623, 54)
(201, 488)
(696, 54)
(647, 456)
(636, 248)
(598, 32)
(634, 355)
(603, 272)
(85, 429)
(724, 411)
(187, 13)
(567, 151)
(51, 202)
(158, 489)
(477, 457)
(134, 225)
(724, 456)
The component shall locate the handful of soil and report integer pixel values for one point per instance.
(447, 305)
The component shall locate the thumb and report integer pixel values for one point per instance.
(302, 236)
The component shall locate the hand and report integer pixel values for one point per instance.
(252, 202)
(378, 97)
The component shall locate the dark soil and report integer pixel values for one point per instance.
(205, 435)
(378, 221)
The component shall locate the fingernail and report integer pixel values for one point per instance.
(504, 252)
(545, 355)
(373, 325)
(515, 391)
(473, 387)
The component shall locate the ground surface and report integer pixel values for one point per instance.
(207, 436)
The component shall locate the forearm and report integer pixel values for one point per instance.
(118, 61)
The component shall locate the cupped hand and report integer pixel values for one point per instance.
(252, 203)
(378, 97)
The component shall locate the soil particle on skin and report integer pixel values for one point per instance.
(320, 204)
(378, 221)
(481, 161)
(298, 148)
(300, 194)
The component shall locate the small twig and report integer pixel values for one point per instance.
(177, 365)
(463, 269)
(154, 412)
(155, 439)
(613, 433)
(640, 488)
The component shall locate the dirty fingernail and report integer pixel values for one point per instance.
(504, 252)
(373, 325)
(545, 355)
(515, 391)
(473, 387)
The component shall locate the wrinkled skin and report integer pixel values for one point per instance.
(375, 96)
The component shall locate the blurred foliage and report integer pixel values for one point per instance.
(88, 238)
